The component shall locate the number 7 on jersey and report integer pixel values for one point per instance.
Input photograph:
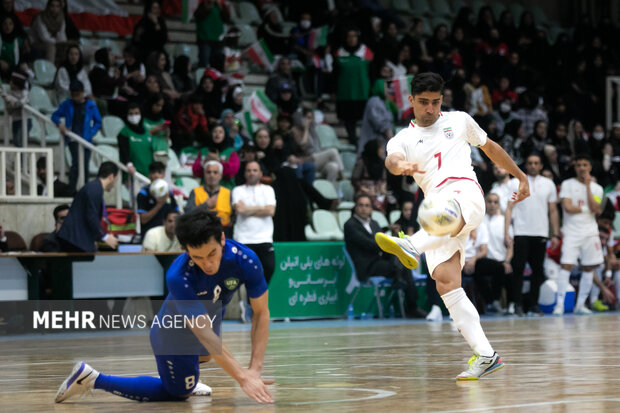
(438, 156)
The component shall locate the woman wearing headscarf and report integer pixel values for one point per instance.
(48, 30)
(181, 79)
(135, 144)
(72, 69)
(211, 95)
(219, 147)
(157, 64)
(13, 47)
(156, 124)
(104, 84)
(150, 33)
(272, 32)
(369, 174)
(378, 120)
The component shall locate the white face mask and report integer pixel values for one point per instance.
(305, 24)
(134, 119)
(598, 135)
(504, 107)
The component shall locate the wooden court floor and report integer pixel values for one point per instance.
(553, 364)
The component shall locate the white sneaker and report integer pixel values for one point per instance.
(400, 246)
(511, 309)
(81, 380)
(202, 389)
(480, 366)
(583, 310)
(558, 310)
(435, 314)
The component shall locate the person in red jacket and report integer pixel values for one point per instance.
(191, 123)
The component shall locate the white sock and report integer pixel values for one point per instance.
(563, 277)
(594, 293)
(585, 285)
(423, 241)
(467, 320)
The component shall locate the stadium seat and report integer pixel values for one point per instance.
(187, 183)
(198, 74)
(457, 5)
(114, 46)
(40, 100)
(498, 8)
(247, 13)
(324, 227)
(436, 21)
(380, 218)
(175, 165)
(189, 50)
(617, 224)
(441, 8)
(346, 190)
(476, 6)
(15, 241)
(37, 241)
(107, 35)
(52, 134)
(539, 16)
(343, 216)
(111, 126)
(110, 152)
(328, 139)
(99, 139)
(326, 188)
(248, 36)
(44, 72)
(348, 161)
(421, 8)
(394, 216)
(517, 10)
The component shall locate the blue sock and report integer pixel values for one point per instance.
(144, 388)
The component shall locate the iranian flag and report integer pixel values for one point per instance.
(245, 117)
(261, 106)
(260, 54)
(401, 91)
(189, 7)
(318, 37)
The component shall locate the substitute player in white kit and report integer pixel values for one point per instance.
(581, 200)
(434, 149)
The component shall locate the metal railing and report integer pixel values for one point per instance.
(612, 89)
(27, 170)
(29, 111)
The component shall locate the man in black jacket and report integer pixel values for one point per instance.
(82, 227)
(369, 260)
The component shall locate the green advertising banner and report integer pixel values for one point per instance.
(310, 280)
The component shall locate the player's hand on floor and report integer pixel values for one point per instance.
(256, 388)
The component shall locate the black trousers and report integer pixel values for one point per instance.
(531, 250)
(266, 256)
(490, 277)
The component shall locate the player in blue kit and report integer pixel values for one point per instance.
(212, 269)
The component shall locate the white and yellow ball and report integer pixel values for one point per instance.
(439, 215)
(159, 188)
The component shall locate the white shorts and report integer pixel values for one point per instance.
(588, 250)
(469, 195)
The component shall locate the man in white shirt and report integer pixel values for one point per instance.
(581, 201)
(502, 187)
(162, 238)
(495, 267)
(435, 150)
(255, 205)
(530, 220)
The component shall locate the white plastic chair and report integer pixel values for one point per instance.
(44, 72)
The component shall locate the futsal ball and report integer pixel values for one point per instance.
(439, 215)
(159, 188)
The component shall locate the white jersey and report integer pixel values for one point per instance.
(472, 245)
(530, 217)
(504, 191)
(581, 224)
(495, 228)
(442, 150)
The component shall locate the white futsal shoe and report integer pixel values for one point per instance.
(582, 310)
(480, 366)
(435, 314)
(202, 389)
(400, 246)
(81, 380)
(558, 310)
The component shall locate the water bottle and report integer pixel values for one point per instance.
(363, 316)
(392, 312)
(350, 313)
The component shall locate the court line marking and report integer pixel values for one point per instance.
(538, 404)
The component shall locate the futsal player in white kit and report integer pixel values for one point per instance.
(435, 150)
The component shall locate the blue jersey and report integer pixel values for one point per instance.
(187, 282)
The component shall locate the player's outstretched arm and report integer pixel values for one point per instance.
(260, 332)
(499, 156)
(253, 386)
(397, 165)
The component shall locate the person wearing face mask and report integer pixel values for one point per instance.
(135, 144)
(301, 39)
(503, 115)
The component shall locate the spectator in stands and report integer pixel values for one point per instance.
(264, 155)
(476, 248)
(416, 40)
(210, 17)
(439, 42)
(502, 187)
(7, 8)
(536, 141)
(300, 39)
(326, 161)
(212, 195)
(104, 85)
(504, 92)
(233, 64)
(255, 206)
(156, 124)
(135, 143)
(82, 227)
(231, 127)
(378, 120)
(407, 222)
(157, 64)
(134, 73)
(150, 33)
(529, 112)
(219, 147)
(352, 81)
(503, 115)
(578, 137)
(551, 164)
(150, 209)
(368, 259)
(51, 243)
(531, 219)
(72, 69)
(14, 47)
(281, 74)
(272, 31)
(234, 99)
(14, 99)
(10, 187)
(191, 124)
(495, 267)
(369, 174)
(4, 246)
(286, 101)
(289, 153)
(48, 30)
(479, 97)
(512, 140)
(71, 31)
(82, 118)
(581, 201)
(162, 238)
(211, 95)
(61, 189)
(181, 79)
